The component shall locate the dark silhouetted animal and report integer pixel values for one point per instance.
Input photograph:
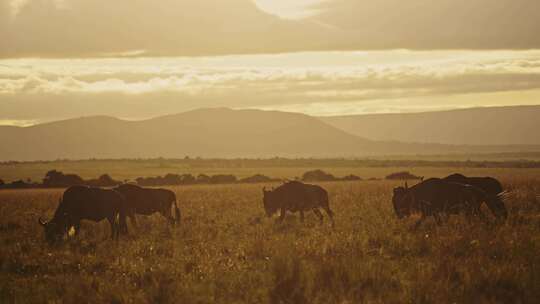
(85, 203)
(295, 196)
(490, 185)
(436, 197)
(147, 201)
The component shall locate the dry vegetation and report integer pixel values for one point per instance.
(226, 251)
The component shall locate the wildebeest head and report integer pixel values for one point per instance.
(270, 205)
(54, 229)
(496, 205)
(401, 202)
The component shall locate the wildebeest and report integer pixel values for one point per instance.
(85, 203)
(436, 197)
(490, 185)
(147, 201)
(295, 196)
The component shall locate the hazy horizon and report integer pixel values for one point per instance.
(313, 83)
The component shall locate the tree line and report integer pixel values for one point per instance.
(58, 179)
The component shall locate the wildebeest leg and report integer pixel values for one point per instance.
(77, 226)
(133, 220)
(420, 221)
(114, 228)
(437, 218)
(282, 215)
(330, 214)
(167, 214)
(479, 213)
(319, 214)
(122, 222)
(470, 210)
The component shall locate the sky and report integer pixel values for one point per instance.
(137, 59)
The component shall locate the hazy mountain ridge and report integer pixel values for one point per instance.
(216, 132)
(518, 125)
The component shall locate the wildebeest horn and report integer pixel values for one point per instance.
(41, 222)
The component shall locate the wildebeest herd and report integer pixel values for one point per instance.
(451, 195)
(96, 204)
(435, 197)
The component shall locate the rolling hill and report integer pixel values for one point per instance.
(517, 125)
(220, 133)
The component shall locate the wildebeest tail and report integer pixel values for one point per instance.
(497, 206)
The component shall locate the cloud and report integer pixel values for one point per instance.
(455, 74)
(99, 28)
(441, 24)
(370, 81)
(94, 28)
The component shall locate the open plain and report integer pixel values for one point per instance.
(227, 251)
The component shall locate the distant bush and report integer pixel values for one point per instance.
(188, 179)
(223, 179)
(20, 184)
(155, 181)
(167, 180)
(404, 175)
(318, 176)
(257, 178)
(321, 176)
(55, 178)
(351, 177)
(2, 182)
(203, 179)
(104, 180)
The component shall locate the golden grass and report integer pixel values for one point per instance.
(227, 251)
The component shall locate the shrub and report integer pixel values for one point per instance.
(318, 176)
(203, 179)
(223, 179)
(188, 179)
(20, 184)
(55, 178)
(351, 177)
(404, 175)
(104, 180)
(257, 178)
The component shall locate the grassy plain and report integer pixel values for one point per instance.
(227, 251)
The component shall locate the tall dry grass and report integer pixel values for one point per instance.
(227, 251)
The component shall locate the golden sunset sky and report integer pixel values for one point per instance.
(136, 59)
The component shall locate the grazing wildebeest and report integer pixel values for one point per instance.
(490, 185)
(85, 203)
(147, 201)
(436, 197)
(295, 196)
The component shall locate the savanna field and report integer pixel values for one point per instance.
(227, 251)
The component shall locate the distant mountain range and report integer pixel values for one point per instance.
(226, 133)
(518, 125)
